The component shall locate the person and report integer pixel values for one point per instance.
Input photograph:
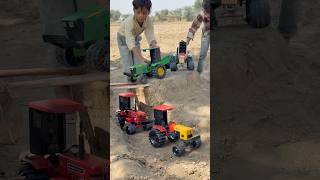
(202, 17)
(128, 36)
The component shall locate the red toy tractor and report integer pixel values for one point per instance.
(161, 129)
(128, 117)
(49, 159)
(185, 136)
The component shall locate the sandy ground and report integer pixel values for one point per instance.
(133, 156)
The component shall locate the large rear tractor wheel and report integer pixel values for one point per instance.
(97, 56)
(156, 138)
(160, 72)
(258, 13)
(190, 64)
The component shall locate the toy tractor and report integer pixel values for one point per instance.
(49, 159)
(186, 140)
(183, 57)
(86, 39)
(161, 131)
(257, 12)
(129, 118)
(155, 68)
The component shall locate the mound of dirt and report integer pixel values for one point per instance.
(133, 156)
(265, 103)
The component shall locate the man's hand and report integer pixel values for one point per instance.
(154, 44)
(188, 40)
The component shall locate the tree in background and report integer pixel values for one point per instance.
(114, 15)
(188, 13)
(197, 6)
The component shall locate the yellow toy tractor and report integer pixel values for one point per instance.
(186, 140)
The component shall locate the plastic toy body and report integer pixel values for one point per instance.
(49, 158)
(183, 57)
(87, 39)
(156, 68)
(130, 119)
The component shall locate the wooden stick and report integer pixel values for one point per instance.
(130, 86)
(40, 71)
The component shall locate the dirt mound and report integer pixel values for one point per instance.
(265, 103)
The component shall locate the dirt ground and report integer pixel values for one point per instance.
(266, 96)
(133, 156)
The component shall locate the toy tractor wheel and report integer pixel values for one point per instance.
(172, 137)
(67, 58)
(143, 79)
(196, 143)
(156, 138)
(29, 173)
(121, 121)
(178, 150)
(147, 127)
(190, 64)
(258, 13)
(160, 72)
(149, 74)
(173, 66)
(97, 56)
(129, 128)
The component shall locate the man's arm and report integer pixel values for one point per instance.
(149, 33)
(195, 26)
(130, 40)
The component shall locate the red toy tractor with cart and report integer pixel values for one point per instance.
(128, 117)
(172, 131)
(49, 159)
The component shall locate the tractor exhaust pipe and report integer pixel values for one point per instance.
(81, 143)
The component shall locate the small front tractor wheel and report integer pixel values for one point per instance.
(172, 137)
(67, 57)
(143, 79)
(97, 56)
(178, 150)
(121, 121)
(190, 64)
(160, 71)
(196, 143)
(129, 128)
(156, 138)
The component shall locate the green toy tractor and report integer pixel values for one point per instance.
(86, 39)
(156, 68)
